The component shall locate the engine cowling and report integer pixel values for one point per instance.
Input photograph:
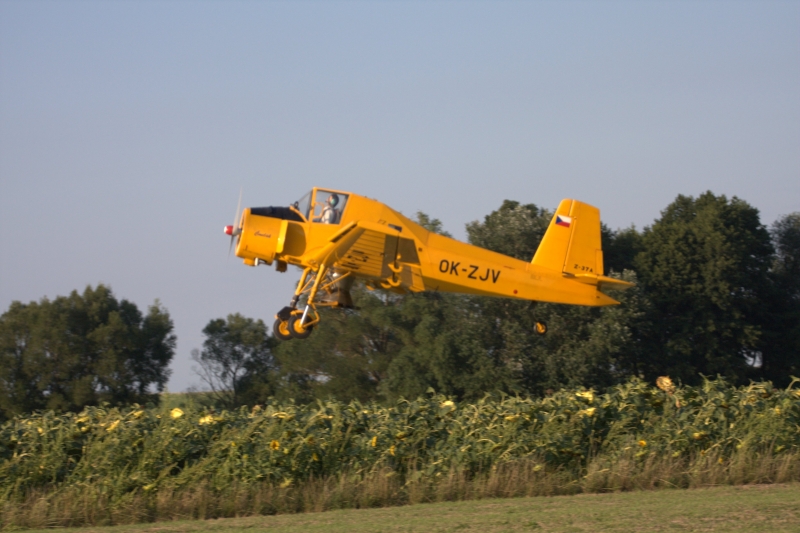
(259, 237)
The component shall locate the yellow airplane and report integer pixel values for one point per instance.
(337, 237)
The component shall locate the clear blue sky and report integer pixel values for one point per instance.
(128, 128)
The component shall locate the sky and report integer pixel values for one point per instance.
(127, 129)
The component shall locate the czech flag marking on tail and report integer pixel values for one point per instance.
(562, 220)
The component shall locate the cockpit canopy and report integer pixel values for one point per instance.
(323, 206)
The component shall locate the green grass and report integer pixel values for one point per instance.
(756, 508)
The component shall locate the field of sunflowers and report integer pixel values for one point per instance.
(138, 450)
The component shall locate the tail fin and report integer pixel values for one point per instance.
(572, 242)
(571, 245)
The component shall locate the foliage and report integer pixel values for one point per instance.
(236, 360)
(81, 350)
(134, 450)
(704, 266)
(781, 338)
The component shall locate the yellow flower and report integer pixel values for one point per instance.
(642, 443)
(113, 425)
(137, 414)
(176, 413)
(374, 441)
(275, 445)
(587, 412)
(40, 430)
(208, 419)
(777, 410)
(698, 435)
(586, 395)
(447, 404)
(391, 450)
(665, 384)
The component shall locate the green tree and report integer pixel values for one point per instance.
(347, 355)
(620, 248)
(704, 265)
(236, 362)
(80, 350)
(781, 336)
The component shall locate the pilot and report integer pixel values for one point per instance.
(330, 215)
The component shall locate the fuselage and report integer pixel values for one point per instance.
(396, 250)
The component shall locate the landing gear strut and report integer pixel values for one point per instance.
(333, 289)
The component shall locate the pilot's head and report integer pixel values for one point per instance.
(333, 200)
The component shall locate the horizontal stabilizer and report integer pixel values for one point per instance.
(612, 284)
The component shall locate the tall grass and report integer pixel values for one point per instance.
(111, 466)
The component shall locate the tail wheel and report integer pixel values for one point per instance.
(281, 330)
(296, 328)
(540, 328)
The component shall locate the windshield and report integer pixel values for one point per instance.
(328, 206)
(304, 204)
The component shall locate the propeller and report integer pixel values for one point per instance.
(235, 230)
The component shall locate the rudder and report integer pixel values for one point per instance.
(571, 243)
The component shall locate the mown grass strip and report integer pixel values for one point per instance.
(750, 508)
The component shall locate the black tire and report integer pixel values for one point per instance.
(297, 330)
(540, 328)
(281, 330)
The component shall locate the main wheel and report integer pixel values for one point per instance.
(540, 328)
(296, 328)
(281, 330)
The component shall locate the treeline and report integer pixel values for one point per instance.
(717, 293)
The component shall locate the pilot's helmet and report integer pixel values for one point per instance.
(333, 199)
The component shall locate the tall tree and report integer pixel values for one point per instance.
(705, 266)
(81, 350)
(236, 361)
(781, 339)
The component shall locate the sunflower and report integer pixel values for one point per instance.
(665, 384)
